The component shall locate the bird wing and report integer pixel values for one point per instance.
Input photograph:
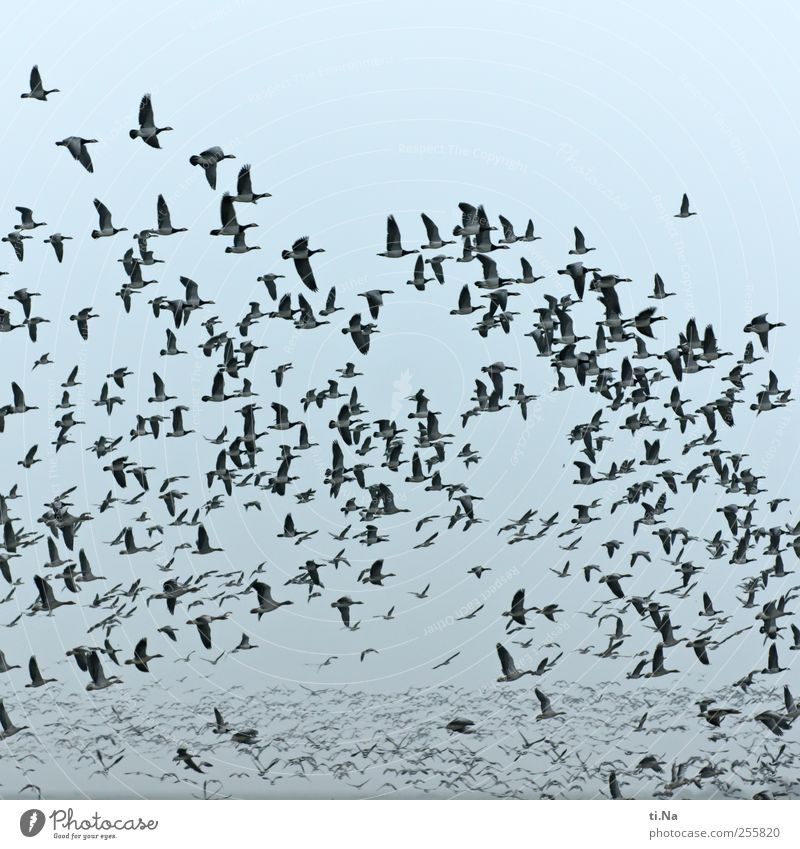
(506, 661)
(392, 235)
(36, 80)
(303, 268)
(244, 184)
(163, 213)
(146, 113)
(103, 213)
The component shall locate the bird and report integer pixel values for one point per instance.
(684, 213)
(394, 247)
(244, 188)
(208, 161)
(141, 658)
(761, 327)
(147, 130)
(580, 243)
(99, 680)
(37, 90)
(57, 242)
(106, 227)
(301, 254)
(266, 603)
(77, 148)
(510, 671)
(36, 676)
(165, 227)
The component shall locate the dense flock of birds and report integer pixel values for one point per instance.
(509, 739)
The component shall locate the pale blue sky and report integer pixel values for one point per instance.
(597, 115)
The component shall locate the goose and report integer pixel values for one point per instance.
(77, 148)
(394, 247)
(659, 292)
(165, 227)
(147, 130)
(244, 188)
(57, 241)
(203, 625)
(172, 350)
(509, 236)
(36, 675)
(613, 786)
(773, 666)
(130, 546)
(4, 665)
(547, 711)
(28, 223)
(269, 281)
(775, 722)
(419, 279)
(343, 605)
(30, 458)
(25, 298)
(518, 610)
(208, 160)
(435, 263)
(141, 658)
(188, 761)
(15, 239)
(714, 716)
(529, 233)
(375, 299)
(47, 600)
(82, 318)
(203, 545)
(266, 603)
(435, 241)
(580, 243)
(644, 320)
(374, 575)
(244, 644)
(239, 246)
(528, 277)
(282, 418)
(95, 668)
(684, 213)
(510, 671)
(178, 429)
(159, 391)
(230, 224)
(658, 669)
(761, 327)
(86, 574)
(301, 254)
(106, 227)
(483, 240)
(467, 253)
(470, 220)
(330, 303)
(460, 726)
(217, 388)
(9, 729)
(37, 89)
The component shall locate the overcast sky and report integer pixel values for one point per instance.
(582, 114)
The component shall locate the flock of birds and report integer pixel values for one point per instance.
(542, 740)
